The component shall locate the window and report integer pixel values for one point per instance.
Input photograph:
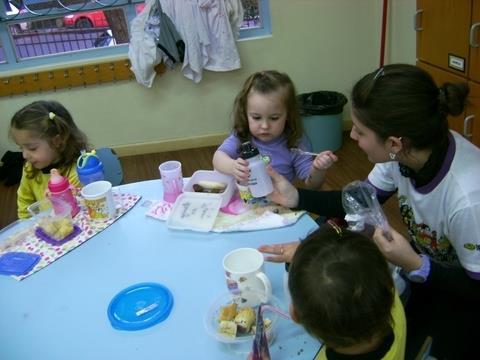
(47, 31)
(41, 32)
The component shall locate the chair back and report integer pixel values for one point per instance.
(112, 167)
(424, 353)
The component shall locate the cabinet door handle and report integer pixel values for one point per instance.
(417, 27)
(473, 32)
(466, 127)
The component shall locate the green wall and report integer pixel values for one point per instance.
(321, 44)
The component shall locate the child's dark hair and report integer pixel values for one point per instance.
(267, 82)
(403, 100)
(48, 119)
(341, 287)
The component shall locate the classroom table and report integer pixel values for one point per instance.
(60, 312)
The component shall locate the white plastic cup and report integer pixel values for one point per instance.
(245, 276)
(99, 200)
(172, 180)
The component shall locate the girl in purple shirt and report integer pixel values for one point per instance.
(266, 113)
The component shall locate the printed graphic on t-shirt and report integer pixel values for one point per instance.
(424, 239)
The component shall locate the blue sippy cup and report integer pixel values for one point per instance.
(89, 167)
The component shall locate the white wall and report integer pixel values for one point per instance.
(321, 44)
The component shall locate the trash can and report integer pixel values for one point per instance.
(321, 113)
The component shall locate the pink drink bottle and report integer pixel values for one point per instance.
(60, 188)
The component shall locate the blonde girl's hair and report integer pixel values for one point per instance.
(47, 120)
(267, 82)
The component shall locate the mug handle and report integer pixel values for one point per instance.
(266, 284)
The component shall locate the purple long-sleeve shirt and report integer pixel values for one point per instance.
(284, 161)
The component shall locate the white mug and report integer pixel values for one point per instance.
(99, 200)
(245, 277)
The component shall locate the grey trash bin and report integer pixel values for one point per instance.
(322, 119)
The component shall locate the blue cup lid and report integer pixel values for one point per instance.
(89, 163)
(140, 306)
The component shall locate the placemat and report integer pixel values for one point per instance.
(49, 253)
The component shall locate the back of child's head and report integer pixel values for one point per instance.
(341, 288)
(48, 120)
(266, 83)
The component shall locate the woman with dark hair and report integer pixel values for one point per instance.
(399, 120)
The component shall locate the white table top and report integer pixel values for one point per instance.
(60, 312)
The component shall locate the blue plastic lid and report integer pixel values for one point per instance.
(140, 306)
(17, 263)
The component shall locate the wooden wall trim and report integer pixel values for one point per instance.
(81, 75)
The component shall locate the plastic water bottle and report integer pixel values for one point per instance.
(259, 181)
(60, 188)
(89, 167)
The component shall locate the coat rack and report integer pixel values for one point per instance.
(84, 75)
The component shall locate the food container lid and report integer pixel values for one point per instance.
(17, 263)
(194, 211)
(140, 306)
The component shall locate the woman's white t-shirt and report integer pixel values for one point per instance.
(443, 216)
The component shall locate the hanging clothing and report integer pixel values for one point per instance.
(187, 18)
(235, 15)
(222, 53)
(142, 49)
(205, 27)
(209, 39)
(166, 36)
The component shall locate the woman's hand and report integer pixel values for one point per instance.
(397, 249)
(284, 193)
(324, 160)
(240, 170)
(280, 252)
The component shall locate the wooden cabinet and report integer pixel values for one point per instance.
(472, 118)
(448, 47)
(440, 76)
(442, 33)
(474, 37)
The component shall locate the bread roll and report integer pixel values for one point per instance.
(209, 187)
(228, 312)
(228, 328)
(245, 319)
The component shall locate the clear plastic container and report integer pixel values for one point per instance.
(15, 234)
(53, 216)
(213, 178)
(242, 343)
